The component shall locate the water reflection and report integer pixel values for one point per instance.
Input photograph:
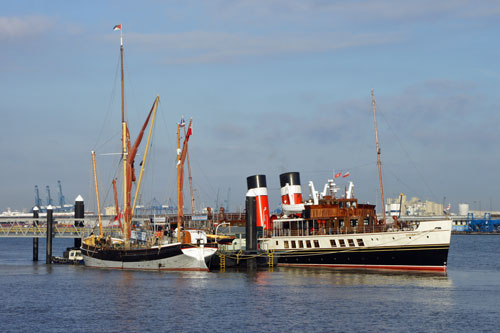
(353, 277)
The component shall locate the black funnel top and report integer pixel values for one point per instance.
(292, 178)
(256, 181)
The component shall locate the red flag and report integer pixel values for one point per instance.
(189, 132)
(117, 27)
(337, 175)
(347, 174)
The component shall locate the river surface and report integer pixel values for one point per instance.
(65, 298)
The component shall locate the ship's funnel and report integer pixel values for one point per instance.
(257, 187)
(291, 193)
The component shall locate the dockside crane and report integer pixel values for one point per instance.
(49, 199)
(62, 200)
(38, 201)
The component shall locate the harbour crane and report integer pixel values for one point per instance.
(38, 201)
(62, 200)
(49, 199)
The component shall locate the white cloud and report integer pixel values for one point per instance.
(23, 27)
(209, 47)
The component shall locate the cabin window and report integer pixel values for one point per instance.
(354, 222)
(333, 243)
(308, 243)
(360, 242)
(316, 243)
(294, 245)
(286, 245)
(351, 242)
(342, 243)
(354, 204)
(301, 244)
(348, 204)
(366, 221)
(341, 223)
(341, 204)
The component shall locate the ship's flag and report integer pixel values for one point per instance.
(183, 122)
(337, 175)
(117, 27)
(447, 209)
(189, 132)
(347, 174)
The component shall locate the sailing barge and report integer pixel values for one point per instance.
(187, 251)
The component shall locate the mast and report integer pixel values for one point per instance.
(97, 195)
(180, 213)
(379, 163)
(181, 157)
(117, 207)
(190, 179)
(143, 164)
(126, 222)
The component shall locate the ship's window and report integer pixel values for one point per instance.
(316, 243)
(360, 242)
(341, 204)
(308, 243)
(333, 243)
(286, 245)
(366, 221)
(301, 244)
(294, 245)
(354, 222)
(348, 204)
(341, 223)
(351, 242)
(342, 243)
(354, 204)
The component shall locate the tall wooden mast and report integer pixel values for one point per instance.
(379, 163)
(181, 157)
(97, 195)
(190, 179)
(126, 222)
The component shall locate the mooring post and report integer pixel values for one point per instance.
(79, 214)
(251, 229)
(35, 239)
(48, 257)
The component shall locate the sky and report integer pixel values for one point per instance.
(272, 86)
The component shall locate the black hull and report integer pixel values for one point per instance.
(403, 258)
(132, 255)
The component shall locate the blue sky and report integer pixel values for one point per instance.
(272, 86)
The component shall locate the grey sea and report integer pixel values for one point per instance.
(65, 298)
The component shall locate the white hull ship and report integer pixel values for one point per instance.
(328, 231)
(340, 233)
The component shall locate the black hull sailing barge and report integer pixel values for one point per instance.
(187, 251)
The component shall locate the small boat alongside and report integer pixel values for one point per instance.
(72, 256)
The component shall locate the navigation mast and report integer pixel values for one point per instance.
(379, 164)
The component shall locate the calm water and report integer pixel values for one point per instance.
(58, 298)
